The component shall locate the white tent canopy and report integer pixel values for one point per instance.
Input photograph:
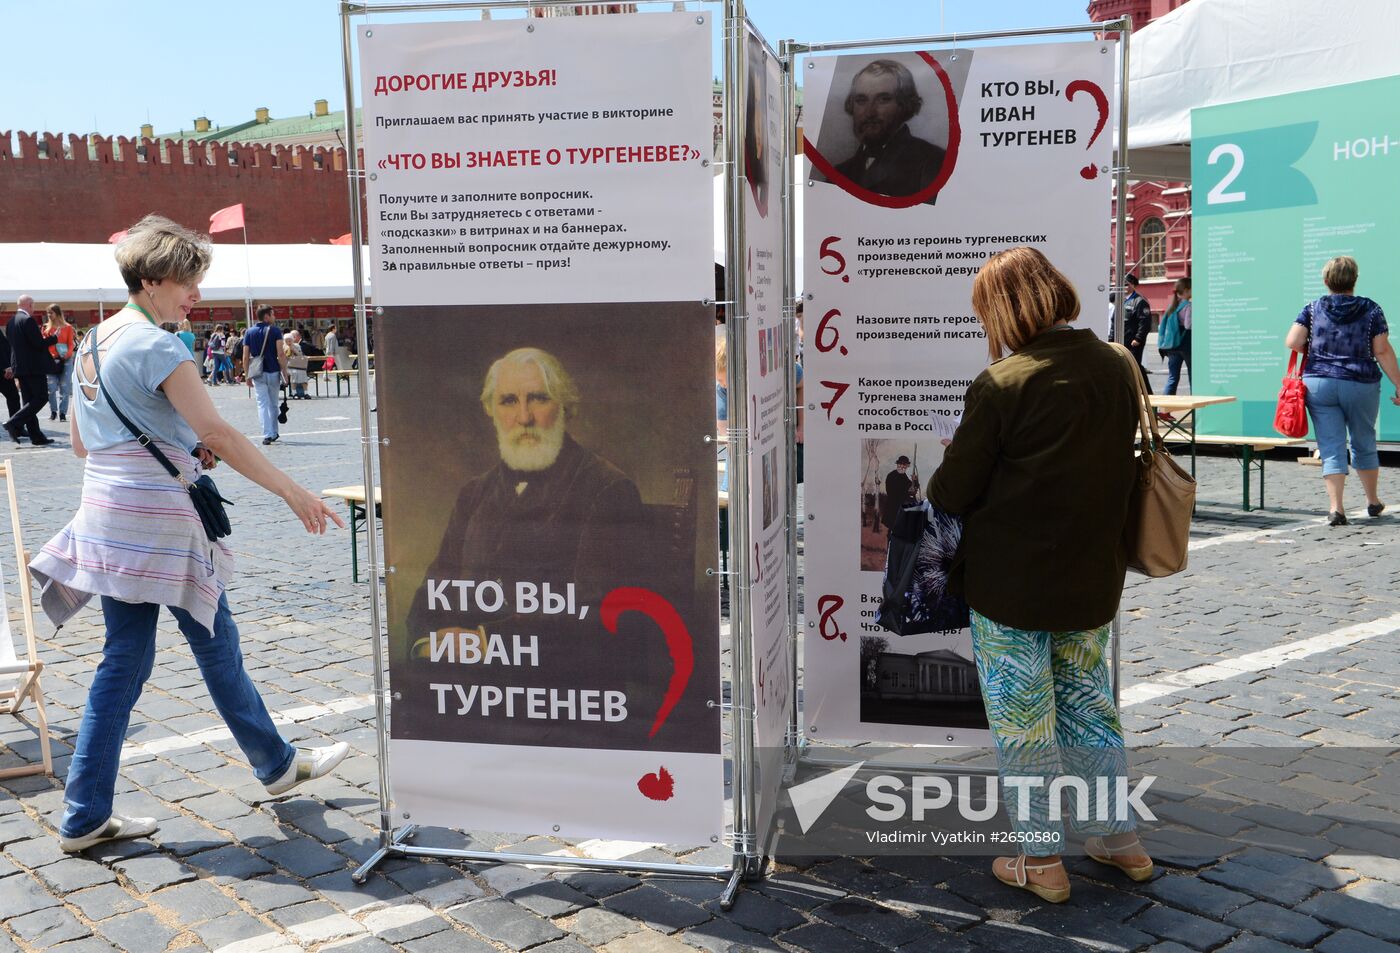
(1209, 52)
(88, 273)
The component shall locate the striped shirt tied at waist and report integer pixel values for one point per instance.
(136, 537)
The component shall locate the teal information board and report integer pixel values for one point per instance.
(1279, 186)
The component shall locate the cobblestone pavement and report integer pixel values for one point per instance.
(1261, 642)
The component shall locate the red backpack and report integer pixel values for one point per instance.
(1291, 415)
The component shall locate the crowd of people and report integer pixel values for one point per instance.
(219, 355)
(1056, 407)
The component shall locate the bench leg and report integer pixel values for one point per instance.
(354, 541)
(1246, 464)
(1192, 417)
(1262, 460)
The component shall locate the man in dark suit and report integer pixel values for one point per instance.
(7, 378)
(1137, 324)
(890, 160)
(30, 361)
(898, 489)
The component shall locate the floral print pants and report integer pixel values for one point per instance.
(1050, 706)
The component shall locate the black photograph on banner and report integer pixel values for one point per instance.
(903, 686)
(549, 504)
(758, 141)
(890, 133)
(893, 472)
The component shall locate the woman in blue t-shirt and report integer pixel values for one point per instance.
(137, 541)
(1346, 345)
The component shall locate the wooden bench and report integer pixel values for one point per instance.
(356, 499)
(337, 375)
(1250, 452)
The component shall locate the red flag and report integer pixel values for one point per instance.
(115, 237)
(226, 218)
(342, 240)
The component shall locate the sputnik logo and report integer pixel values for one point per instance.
(810, 799)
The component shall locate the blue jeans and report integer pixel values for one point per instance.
(1174, 362)
(60, 391)
(127, 657)
(265, 387)
(1339, 408)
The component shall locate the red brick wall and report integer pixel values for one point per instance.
(287, 197)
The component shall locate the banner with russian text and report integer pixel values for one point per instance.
(1282, 185)
(921, 165)
(541, 250)
(768, 349)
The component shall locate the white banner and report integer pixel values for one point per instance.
(921, 165)
(532, 160)
(540, 241)
(768, 360)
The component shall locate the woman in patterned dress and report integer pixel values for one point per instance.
(1040, 469)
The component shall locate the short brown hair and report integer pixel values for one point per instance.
(1340, 274)
(1019, 294)
(156, 249)
(906, 97)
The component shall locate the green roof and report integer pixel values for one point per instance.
(254, 131)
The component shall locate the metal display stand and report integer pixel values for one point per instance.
(396, 841)
(748, 856)
(790, 50)
(747, 862)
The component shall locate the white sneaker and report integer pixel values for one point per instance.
(118, 827)
(309, 764)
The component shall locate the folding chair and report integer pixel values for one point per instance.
(19, 675)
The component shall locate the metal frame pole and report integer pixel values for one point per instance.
(833, 46)
(429, 7)
(1120, 209)
(747, 861)
(354, 180)
(790, 299)
(392, 842)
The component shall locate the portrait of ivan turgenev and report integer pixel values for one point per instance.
(889, 159)
(547, 511)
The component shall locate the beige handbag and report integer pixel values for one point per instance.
(1164, 496)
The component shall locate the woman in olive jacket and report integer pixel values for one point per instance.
(1040, 470)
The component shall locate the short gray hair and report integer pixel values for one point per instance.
(157, 249)
(557, 382)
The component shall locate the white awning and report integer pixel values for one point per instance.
(79, 274)
(1209, 52)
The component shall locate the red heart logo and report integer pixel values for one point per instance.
(659, 786)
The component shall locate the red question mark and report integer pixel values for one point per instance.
(1090, 171)
(678, 640)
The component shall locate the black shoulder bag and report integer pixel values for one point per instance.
(203, 493)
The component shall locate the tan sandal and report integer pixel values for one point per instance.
(1012, 872)
(1097, 850)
